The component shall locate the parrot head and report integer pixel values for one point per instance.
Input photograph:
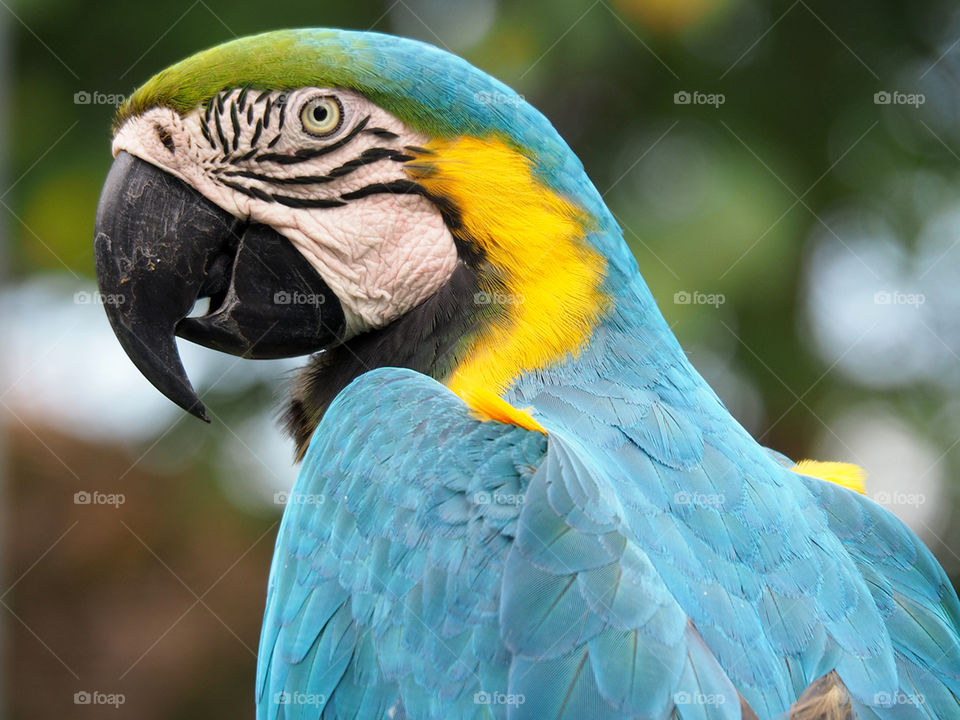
(365, 199)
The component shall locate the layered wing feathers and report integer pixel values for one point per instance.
(458, 568)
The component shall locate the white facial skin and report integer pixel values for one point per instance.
(382, 254)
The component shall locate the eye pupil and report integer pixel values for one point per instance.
(320, 113)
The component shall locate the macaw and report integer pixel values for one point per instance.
(518, 499)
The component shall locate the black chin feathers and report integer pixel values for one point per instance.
(428, 339)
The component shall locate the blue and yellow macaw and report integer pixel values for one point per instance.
(518, 499)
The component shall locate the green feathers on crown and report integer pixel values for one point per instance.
(290, 59)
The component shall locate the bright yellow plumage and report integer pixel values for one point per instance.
(489, 406)
(548, 276)
(845, 474)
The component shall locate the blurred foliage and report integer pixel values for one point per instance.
(737, 199)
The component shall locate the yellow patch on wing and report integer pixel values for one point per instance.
(846, 474)
(487, 405)
(544, 279)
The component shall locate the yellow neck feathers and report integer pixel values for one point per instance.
(544, 278)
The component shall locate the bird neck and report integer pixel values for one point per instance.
(539, 278)
(542, 281)
(630, 337)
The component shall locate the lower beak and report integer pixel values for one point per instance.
(160, 246)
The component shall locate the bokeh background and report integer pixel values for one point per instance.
(787, 173)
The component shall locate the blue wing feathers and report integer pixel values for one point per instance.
(407, 554)
(662, 571)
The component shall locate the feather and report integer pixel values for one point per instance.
(826, 699)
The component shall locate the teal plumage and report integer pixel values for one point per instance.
(601, 594)
(585, 591)
(645, 558)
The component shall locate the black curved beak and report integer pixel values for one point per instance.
(160, 246)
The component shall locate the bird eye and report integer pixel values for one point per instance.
(322, 115)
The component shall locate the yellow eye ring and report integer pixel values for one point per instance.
(321, 116)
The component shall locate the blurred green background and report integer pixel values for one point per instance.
(787, 174)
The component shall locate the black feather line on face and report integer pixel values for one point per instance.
(427, 339)
(255, 192)
(252, 191)
(219, 127)
(382, 133)
(295, 202)
(206, 133)
(235, 121)
(257, 129)
(266, 112)
(394, 187)
(367, 157)
(305, 154)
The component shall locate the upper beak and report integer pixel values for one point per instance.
(160, 245)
